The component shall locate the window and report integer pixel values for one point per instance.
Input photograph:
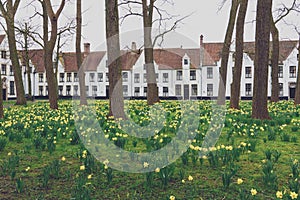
(61, 77)
(179, 75)
(185, 61)
(280, 89)
(125, 76)
(194, 90)
(60, 90)
(157, 76)
(193, 75)
(165, 77)
(136, 91)
(92, 77)
(125, 90)
(165, 91)
(12, 87)
(3, 69)
(145, 78)
(292, 71)
(87, 90)
(100, 77)
(280, 71)
(47, 91)
(209, 72)
(69, 76)
(94, 90)
(136, 78)
(210, 90)
(107, 77)
(11, 70)
(248, 89)
(41, 88)
(144, 67)
(68, 89)
(41, 77)
(145, 91)
(75, 92)
(76, 79)
(3, 54)
(248, 72)
(178, 90)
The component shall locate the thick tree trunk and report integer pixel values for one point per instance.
(116, 100)
(81, 74)
(1, 98)
(152, 89)
(274, 62)
(261, 62)
(236, 83)
(225, 53)
(297, 95)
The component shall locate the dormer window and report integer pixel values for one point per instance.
(3, 54)
(185, 61)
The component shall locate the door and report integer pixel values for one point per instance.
(186, 92)
(4, 94)
(292, 92)
(107, 91)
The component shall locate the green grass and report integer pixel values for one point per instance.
(207, 179)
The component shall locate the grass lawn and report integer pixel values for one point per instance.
(43, 157)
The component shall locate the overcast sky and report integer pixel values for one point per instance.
(206, 19)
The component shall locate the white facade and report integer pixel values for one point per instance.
(187, 78)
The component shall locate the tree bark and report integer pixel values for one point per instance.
(116, 99)
(81, 74)
(274, 62)
(9, 15)
(236, 83)
(26, 61)
(152, 90)
(297, 94)
(261, 62)
(225, 53)
(49, 45)
(1, 99)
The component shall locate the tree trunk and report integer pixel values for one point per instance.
(1, 99)
(116, 99)
(225, 53)
(49, 45)
(297, 95)
(236, 83)
(274, 62)
(26, 60)
(81, 74)
(152, 89)
(261, 62)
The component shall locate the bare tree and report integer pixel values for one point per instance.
(9, 16)
(235, 86)
(116, 99)
(261, 62)
(226, 51)
(81, 73)
(281, 14)
(297, 93)
(49, 45)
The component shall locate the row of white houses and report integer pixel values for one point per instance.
(181, 73)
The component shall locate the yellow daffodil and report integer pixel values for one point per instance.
(293, 195)
(279, 194)
(253, 192)
(239, 181)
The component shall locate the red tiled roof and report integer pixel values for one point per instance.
(36, 56)
(2, 38)
(285, 49)
(129, 58)
(93, 59)
(212, 53)
(69, 61)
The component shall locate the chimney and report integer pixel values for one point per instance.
(201, 40)
(133, 48)
(87, 48)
